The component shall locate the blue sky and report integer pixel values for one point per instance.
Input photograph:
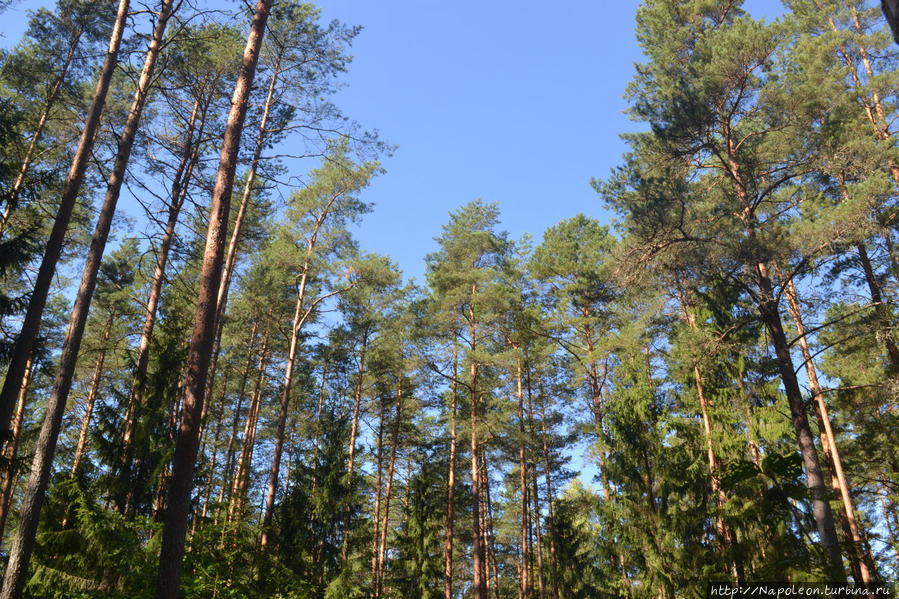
(518, 103)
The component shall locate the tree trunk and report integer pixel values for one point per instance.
(523, 483)
(172, 553)
(189, 155)
(228, 471)
(9, 452)
(92, 397)
(394, 442)
(377, 508)
(479, 570)
(20, 554)
(238, 487)
(879, 307)
(541, 586)
(451, 482)
(828, 443)
(549, 494)
(13, 199)
(353, 430)
(489, 536)
(31, 323)
(770, 315)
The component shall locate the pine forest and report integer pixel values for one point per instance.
(222, 393)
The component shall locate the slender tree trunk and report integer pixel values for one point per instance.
(489, 535)
(523, 484)
(238, 487)
(451, 482)
(479, 570)
(879, 307)
(189, 155)
(169, 574)
(12, 446)
(394, 442)
(20, 554)
(377, 508)
(13, 199)
(299, 318)
(828, 443)
(228, 471)
(15, 373)
(724, 533)
(814, 479)
(549, 493)
(92, 397)
(355, 425)
(541, 585)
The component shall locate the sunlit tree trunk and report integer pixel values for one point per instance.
(172, 553)
(21, 352)
(11, 448)
(451, 481)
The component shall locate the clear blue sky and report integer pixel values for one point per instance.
(518, 103)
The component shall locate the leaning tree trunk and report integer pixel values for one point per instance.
(12, 199)
(15, 373)
(172, 553)
(20, 554)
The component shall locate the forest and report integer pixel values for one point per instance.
(237, 399)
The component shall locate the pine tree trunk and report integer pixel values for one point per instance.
(20, 554)
(238, 487)
(723, 531)
(228, 471)
(377, 508)
(479, 569)
(541, 585)
(12, 200)
(21, 352)
(172, 553)
(489, 535)
(189, 155)
(770, 315)
(523, 484)
(394, 442)
(353, 430)
(92, 397)
(12, 446)
(549, 494)
(451, 482)
(879, 307)
(828, 443)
